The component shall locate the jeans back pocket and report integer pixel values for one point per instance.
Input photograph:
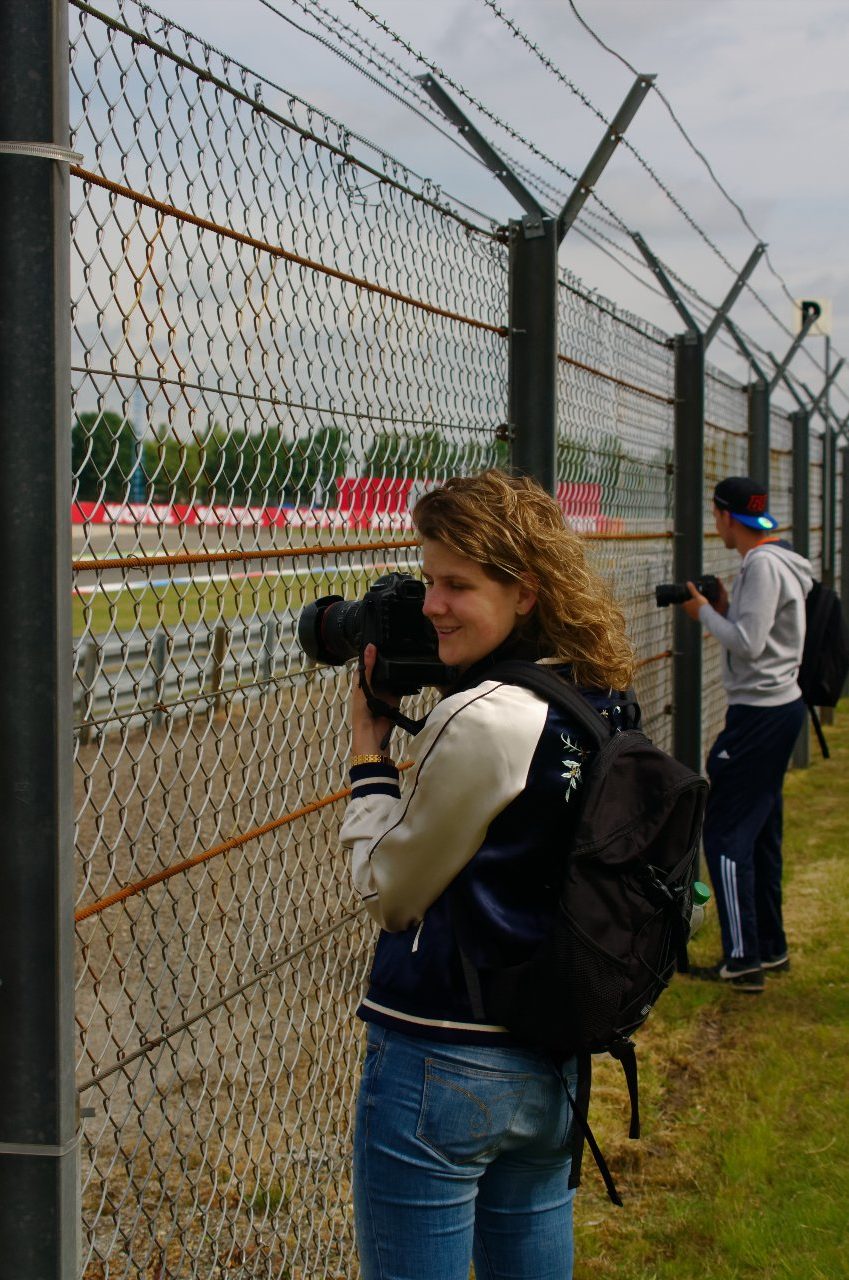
(465, 1114)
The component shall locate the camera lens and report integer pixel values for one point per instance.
(341, 630)
(667, 593)
(329, 630)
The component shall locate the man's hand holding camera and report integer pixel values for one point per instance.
(692, 606)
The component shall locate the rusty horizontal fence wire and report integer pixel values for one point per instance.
(278, 344)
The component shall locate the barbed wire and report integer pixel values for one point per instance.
(435, 69)
(546, 61)
(392, 68)
(690, 143)
(734, 204)
(535, 181)
(537, 151)
(522, 36)
(314, 35)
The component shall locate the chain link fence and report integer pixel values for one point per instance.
(279, 338)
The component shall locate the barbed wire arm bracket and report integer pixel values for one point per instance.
(487, 153)
(810, 315)
(665, 283)
(814, 401)
(596, 165)
(747, 353)
(817, 400)
(733, 293)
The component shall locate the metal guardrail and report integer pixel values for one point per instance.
(122, 682)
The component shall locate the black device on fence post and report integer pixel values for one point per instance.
(760, 392)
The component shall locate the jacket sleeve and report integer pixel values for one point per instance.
(469, 762)
(760, 591)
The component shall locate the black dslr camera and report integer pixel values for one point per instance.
(390, 617)
(666, 593)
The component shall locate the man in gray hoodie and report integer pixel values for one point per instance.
(762, 630)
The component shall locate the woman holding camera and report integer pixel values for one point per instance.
(463, 1136)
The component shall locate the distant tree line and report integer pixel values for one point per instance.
(259, 468)
(233, 466)
(266, 468)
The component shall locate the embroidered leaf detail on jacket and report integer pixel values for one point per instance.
(571, 767)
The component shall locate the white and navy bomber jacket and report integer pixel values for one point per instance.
(485, 817)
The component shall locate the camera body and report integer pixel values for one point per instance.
(390, 617)
(666, 593)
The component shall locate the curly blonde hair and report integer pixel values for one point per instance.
(512, 528)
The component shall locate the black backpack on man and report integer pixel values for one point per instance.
(825, 656)
(624, 904)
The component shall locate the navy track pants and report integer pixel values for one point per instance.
(742, 831)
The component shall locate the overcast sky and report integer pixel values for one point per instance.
(761, 86)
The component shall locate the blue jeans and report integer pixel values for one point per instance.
(461, 1151)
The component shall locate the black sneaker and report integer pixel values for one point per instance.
(749, 979)
(776, 964)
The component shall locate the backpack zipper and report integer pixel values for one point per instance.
(418, 935)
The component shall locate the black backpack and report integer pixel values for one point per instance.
(825, 656)
(623, 910)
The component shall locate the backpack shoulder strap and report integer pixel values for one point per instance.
(817, 723)
(549, 685)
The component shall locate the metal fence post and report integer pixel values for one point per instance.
(218, 646)
(39, 1174)
(759, 431)
(268, 639)
(159, 662)
(87, 677)
(829, 496)
(689, 538)
(801, 423)
(532, 375)
(844, 532)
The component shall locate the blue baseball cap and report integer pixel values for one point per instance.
(747, 502)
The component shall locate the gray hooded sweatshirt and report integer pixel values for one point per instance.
(764, 629)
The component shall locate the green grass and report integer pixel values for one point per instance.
(742, 1173)
(147, 607)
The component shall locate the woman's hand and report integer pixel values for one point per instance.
(367, 731)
